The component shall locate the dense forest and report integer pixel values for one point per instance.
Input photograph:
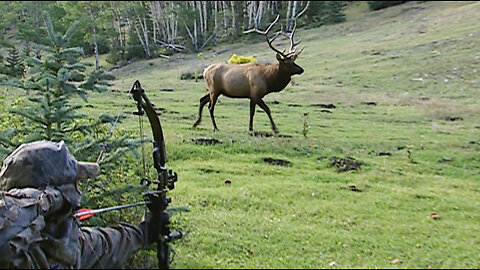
(128, 30)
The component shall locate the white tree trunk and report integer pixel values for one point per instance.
(289, 9)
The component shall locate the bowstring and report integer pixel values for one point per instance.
(140, 123)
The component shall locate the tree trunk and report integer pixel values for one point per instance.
(191, 37)
(198, 5)
(95, 48)
(215, 26)
(225, 21)
(289, 9)
(205, 18)
(259, 15)
(195, 35)
(144, 40)
(234, 22)
(294, 12)
(94, 33)
(251, 5)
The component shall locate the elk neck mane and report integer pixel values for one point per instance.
(276, 79)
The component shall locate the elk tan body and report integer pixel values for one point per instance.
(251, 80)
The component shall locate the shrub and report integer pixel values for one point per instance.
(238, 59)
(376, 5)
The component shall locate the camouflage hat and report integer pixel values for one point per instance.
(44, 163)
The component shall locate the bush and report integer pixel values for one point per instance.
(238, 59)
(324, 12)
(134, 50)
(376, 5)
(113, 56)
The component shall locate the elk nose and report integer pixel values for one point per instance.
(300, 71)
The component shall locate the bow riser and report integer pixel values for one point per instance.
(165, 178)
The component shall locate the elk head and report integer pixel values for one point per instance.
(286, 61)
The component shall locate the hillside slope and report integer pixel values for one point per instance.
(377, 161)
(405, 86)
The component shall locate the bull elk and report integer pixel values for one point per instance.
(251, 80)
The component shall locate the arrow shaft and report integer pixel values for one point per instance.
(102, 210)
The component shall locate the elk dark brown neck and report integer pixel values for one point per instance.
(276, 79)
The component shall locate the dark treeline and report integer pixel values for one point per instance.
(127, 30)
(148, 29)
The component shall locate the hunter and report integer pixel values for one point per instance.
(39, 195)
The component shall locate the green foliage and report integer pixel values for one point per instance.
(325, 12)
(134, 49)
(116, 24)
(9, 11)
(239, 59)
(32, 27)
(27, 50)
(14, 65)
(51, 84)
(376, 5)
(113, 56)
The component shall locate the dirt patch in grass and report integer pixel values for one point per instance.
(206, 141)
(325, 111)
(206, 170)
(452, 118)
(345, 164)
(325, 106)
(354, 188)
(279, 162)
(268, 134)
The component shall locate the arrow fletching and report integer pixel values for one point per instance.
(87, 213)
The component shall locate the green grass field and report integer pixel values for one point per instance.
(405, 85)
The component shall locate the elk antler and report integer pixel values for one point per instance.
(265, 33)
(291, 52)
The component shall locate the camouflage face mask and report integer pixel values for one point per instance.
(44, 163)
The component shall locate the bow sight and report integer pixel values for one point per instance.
(157, 200)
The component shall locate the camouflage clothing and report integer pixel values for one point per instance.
(37, 227)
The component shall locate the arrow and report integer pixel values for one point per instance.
(87, 213)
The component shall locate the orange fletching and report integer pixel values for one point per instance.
(84, 216)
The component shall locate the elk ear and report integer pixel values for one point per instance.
(279, 57)
(294, 57)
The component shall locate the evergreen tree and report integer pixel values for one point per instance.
(27, 50)
(51, 84)
(376, 5)
(14, 63)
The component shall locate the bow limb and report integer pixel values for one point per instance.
(144, 105)
(158, 200)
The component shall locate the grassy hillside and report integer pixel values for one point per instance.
(405, 85)
(404, 82)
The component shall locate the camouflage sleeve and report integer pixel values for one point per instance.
(22, 221)
(109, 247)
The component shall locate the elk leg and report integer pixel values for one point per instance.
(267, 110)
(252, 113)
(211, 108)
(203, 101)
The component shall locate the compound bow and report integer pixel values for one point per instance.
(157, 199)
